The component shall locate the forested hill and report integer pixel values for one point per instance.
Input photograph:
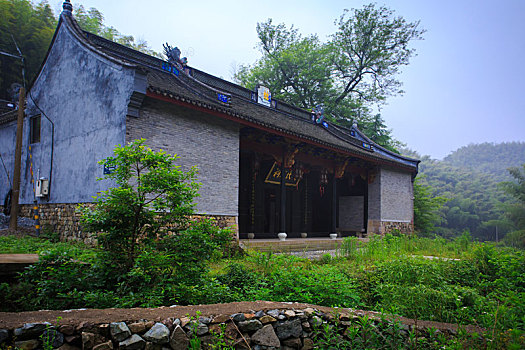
(489, 158)
(469, 178)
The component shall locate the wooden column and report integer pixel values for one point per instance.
(282, 228)
(333, 227)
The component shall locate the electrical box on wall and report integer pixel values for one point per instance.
(42, 187)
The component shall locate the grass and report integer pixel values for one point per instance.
(37, 245)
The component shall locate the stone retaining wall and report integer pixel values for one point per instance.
(64, 219)
(264, 329)
(384, 227)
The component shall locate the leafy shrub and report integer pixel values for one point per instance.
(238, 277)
(321, 285)
(153, 197)
(56, 280)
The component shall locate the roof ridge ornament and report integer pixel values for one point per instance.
(173, 54)
(67, 8)
(318, 115)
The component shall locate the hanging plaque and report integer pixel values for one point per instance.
(264, 96)
(274, 176)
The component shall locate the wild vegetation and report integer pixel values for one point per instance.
(468, 282)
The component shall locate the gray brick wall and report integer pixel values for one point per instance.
(351, 210)
(205, 141)
(396, 196)
(374, 199)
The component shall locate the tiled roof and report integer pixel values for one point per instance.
(206, 91)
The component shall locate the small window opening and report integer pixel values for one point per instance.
(34, 129)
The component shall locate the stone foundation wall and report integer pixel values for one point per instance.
(64, 220)
(384, 227)
(270, 329)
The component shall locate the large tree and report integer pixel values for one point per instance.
(355, 69)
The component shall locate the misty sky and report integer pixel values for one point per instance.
(464, 86)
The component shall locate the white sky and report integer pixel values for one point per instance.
(465, 85)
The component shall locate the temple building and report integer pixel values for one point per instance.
(266, 167)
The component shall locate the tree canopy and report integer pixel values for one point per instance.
(515, 211)
(470, 178)
(355, 69)
(31, 26)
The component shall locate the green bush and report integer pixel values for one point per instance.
(153, 197)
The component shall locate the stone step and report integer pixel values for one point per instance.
(291, 245)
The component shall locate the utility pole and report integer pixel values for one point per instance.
(18, 160)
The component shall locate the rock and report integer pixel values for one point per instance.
(31, 330)
(266, 337)
(259, 314)
(67, 329)
(302, 317)
(184, 321)
(250, 325)
(4, 335)
(289, 313)
(273, 313)
(294, 343)
(249, 316)
(316, 321)
(68, 347)
(168, 323)
(119, 331)
(309, 311)
(104, 346)
(345, 317)
(88, 340)
(308, 344)
(152, 346)
(238, 317)
(205, 320)
(158, 334)
(289, 329)
(176, 322)
(88, 327)
(137, 327)
(52, 337)
(267, 319)
(221, 319)
(74, 339)
(281, 317)
(306, 326)
(27, 344)
(135, 342)
(179, 339)
(202, 329)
